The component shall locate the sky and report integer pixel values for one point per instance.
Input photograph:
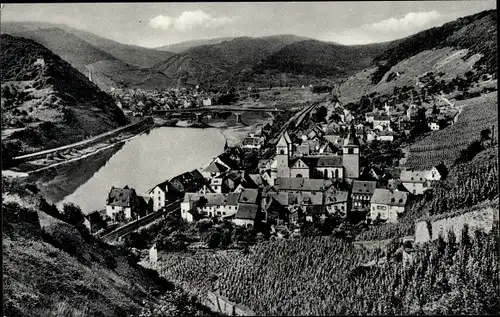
(157, 24)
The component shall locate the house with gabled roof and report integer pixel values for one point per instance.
(336, 202)
(361, 194)
(415, 181)
(122, 204)
(247, 215)
(388, 205)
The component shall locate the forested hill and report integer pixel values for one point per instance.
(475, 32)
(217, 64)
(46, 102)
(307, 61)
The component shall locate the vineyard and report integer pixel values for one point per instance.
(323, 276)
(445, 145)
(467, 185)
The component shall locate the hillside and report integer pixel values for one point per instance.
(54, 268)
(131, 54)
(185, 45)
(47, 103)
(305, 61)
(216, 64)
(452, 50)
(114, 65)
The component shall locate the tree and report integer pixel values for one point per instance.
(485, 135)
(320, 114)
(72, 213)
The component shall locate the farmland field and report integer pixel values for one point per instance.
(445, 145)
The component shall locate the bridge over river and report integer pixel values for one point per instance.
(237, 111)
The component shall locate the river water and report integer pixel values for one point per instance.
(140, 163)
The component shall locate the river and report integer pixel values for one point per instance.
(140, 163)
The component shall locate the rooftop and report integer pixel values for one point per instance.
(387, 197)
(364, 187)
(247, 211)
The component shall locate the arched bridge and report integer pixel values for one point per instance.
(237, 111)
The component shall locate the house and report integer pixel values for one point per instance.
(247, 215)
(213, 206)
(434, 126)
(438, 172)
(300, 184)
(414, 181)
(369, 117)
(216, 184)
(252, 142)
(275, 208)
(387, 205)
(386, 136)
(214, 169)
(315, 213)
(94, 221)
(158, 195)
(207, 101)
(381, 119)
(371, 135)
(361, 194)
(122, 204)
(336, 201)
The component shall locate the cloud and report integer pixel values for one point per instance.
(389, 29)
(410, 22)
(161, 21)
(189, 20)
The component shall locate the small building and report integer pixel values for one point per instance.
(387, 205)
(246, 215)
(361, 194)
(386, 136)
(122, 204)
(253, 142)
(94, 221)
(434, 126)
(336, 202)
(414, 181)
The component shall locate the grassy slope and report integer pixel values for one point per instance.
(66, 106)
(465, 43)
(51, 269)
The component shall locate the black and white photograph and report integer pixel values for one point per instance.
(250, 158)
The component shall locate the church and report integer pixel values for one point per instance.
(337, 167)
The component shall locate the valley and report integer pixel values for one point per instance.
(249, 175)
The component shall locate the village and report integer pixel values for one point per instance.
(311, 173)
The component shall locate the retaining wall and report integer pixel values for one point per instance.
(482, 218)
(221, 304)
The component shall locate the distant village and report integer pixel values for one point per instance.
(309, 174)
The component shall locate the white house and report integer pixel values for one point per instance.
(159, 195)
(122, 203)
(207, 102)
(434, 126)
(388, 205)
(414, 181)
(386, 136)
(371, 135)
(434, 174)
(382, 120)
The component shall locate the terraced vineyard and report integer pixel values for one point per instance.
(445, 145)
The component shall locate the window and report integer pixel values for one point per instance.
(350, 151)
(224, 213)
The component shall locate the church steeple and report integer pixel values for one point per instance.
(352, 140)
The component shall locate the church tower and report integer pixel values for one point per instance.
(350, 158)
(283, 153)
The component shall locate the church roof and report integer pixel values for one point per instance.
(352, 139)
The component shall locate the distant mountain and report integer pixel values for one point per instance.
(131, 54)
(46, 102)
(184, 46)
(467, 45)
(216, 64)
(104, 58)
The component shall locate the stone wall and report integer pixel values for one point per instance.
(482, 218)
(221, 304)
